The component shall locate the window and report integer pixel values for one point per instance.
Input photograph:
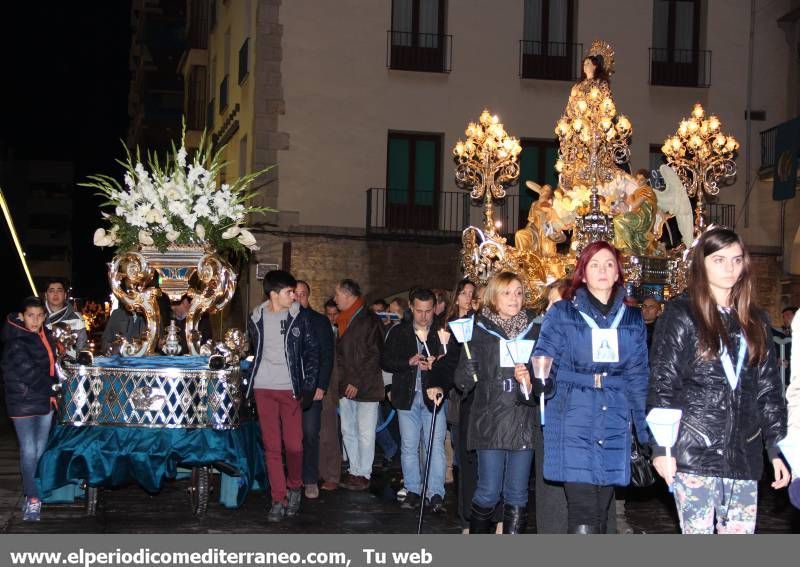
(196, 106)
(413, 180)
(547, 48)
(417, 40)
(676, 58)
(243, 156)
(212, 5)
(536, 163)
(243, 51)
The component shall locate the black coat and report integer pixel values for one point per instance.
(723, 432)
(28, 372)
(324, 333)
(500, 416)
(401, 345)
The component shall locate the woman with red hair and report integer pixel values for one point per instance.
(599, 351)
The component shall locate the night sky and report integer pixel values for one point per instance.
(64, 96)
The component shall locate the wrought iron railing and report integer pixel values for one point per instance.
(722, 214)
(550, 60)
(680, 67)
(768, 139)
(198, 24)
(196, 105)
(410, 51)
(428, 213)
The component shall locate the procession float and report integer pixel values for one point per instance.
(596, 197)
(164, 404)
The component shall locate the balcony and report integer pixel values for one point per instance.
(438, 215)
(722, 214)
(196, 105)
(550, 60)
(223, 95)
(768, 141)
(680, 67)
(427, 52)
(243, 53)
(197, 24)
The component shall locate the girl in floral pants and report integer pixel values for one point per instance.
(698, 498)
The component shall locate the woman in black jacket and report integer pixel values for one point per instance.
(502, 417)
(711, 358)
(29, 358)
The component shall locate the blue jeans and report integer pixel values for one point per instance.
(32, 433)
(415, 428)
(384, 437)
(359, 420)
(502, 472)
(311, 424)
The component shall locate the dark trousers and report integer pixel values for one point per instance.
(330, 446)
(312, 418)
(587, 504)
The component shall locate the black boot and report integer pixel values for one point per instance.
(584, 529)
(480, 520)
(515, 519)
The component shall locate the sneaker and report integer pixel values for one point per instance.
(411, 501)
(401, 494)
(312, 491)
(293, 501)
(435, 504)
(33, 510)
(277, 512)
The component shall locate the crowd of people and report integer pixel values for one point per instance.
(392, 375)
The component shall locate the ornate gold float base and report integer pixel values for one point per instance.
(182, 270)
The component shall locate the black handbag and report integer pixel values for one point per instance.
(642, 472)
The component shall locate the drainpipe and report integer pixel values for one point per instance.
(749, 122)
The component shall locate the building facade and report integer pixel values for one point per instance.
(358, 104)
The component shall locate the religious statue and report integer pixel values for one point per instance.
(543, 230)
(633, 227)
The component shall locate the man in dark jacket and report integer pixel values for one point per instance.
(410, 354)
(311, 416)
(284, 378)
(358, 369)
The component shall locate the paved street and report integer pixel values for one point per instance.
(131, 510)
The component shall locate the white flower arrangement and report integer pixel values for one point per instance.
(178, 203)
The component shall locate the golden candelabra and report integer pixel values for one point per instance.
(702, 156)
(486, 163)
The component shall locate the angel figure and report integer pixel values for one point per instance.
(544, 229)
(674, 201)
(633, 229)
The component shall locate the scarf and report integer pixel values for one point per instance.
(344, 318)
(511, 327)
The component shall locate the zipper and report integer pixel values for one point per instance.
(698, 432)
(753, 437)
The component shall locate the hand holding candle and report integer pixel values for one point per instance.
(462, 329)
(541, 370)
(664, 424)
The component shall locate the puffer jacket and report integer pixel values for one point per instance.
(500, 416)
(300, 347)
(587, 432)
(28, 369)
(723, 431)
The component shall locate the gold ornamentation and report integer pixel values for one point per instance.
(606, 51)
(702, 156)
(133, 283)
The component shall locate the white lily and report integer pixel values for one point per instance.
(200, 231)
(145, 238)
(102, 238)
(247, 239)
(172, 235)
(231, 232)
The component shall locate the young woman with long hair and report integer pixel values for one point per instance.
(600, 368)
(712, 358)
(502, 418)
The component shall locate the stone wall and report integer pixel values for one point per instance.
(767, 272)
(382, 267)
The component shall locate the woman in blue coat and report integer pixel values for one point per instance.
(599, 351)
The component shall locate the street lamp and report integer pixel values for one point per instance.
(486, 163)
(702, 156)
